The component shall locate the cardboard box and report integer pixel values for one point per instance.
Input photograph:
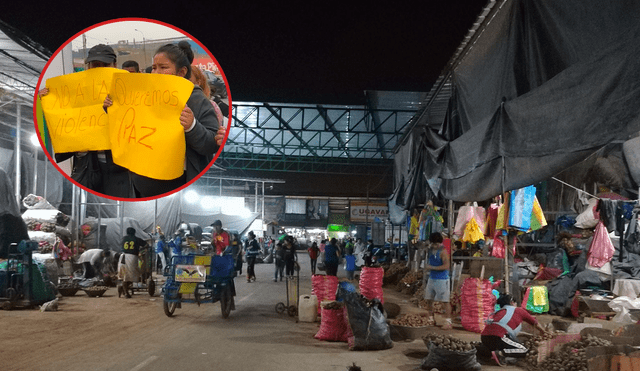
(617, 357)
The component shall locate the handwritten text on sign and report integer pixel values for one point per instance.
(73, 110)
(144, 124)
(142, 127)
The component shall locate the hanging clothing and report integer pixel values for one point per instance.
(430, 222)
(632, 237)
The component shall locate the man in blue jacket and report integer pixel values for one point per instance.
(252, 249)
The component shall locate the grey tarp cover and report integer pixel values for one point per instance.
(12, 226)
(546, 84)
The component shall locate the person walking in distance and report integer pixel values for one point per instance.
(331, 257)
(313, 256)
(278, 256)
(252, 250)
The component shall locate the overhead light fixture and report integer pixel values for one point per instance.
(191, 196)
(35, 141)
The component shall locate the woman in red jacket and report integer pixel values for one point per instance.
(313, 255)
(501, 332)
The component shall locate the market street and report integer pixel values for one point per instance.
(111, 333)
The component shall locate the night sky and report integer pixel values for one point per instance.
(325, 54)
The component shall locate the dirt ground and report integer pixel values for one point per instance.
(111, 333)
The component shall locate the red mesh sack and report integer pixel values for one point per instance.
(477, 303)
(334, 324)
(371, 283)
(324, 288)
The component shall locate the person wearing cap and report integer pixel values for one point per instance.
(95, 169)
(128, 270)
(499, 335)
(252, 250)
(220, 238)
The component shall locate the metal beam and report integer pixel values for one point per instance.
(291, 130)
(329, 124)
(264, 140)
(376, 127)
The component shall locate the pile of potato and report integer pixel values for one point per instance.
(413, 320)
(393, 273)
(571, 357)
(68, 285)
(410, 283)
(332, 305)
(96, 288)
(448, 342)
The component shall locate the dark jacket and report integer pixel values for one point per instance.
(201, 140)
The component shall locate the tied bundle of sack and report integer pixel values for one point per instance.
(334, 325)
(371, 283)
(367, 321)
(448, 353)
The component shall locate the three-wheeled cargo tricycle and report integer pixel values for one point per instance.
(200, 279)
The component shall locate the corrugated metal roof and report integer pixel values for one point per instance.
(21, 62)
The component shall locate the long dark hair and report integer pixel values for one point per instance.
(181, 55)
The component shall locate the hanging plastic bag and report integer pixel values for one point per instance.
(589, 217)
(536, 299)
(538, 221)
(472, 232)
(520, 208)
(465, 214)
(503, 214)
(498, 249)
(492, 219)
(601, 249)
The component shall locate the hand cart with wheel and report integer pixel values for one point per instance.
(200, 279)
(293, 294)
(145, 282)
(22, 284)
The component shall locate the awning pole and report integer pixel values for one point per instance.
(18, 153)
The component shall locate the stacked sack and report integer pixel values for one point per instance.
(371, 283)
(324, 288)
(334, 324)
(47, 226)
(477, 303)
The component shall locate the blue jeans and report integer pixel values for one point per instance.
(279, 269)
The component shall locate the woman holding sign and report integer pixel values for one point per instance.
(203, 133)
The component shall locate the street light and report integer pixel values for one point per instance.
(144, 46)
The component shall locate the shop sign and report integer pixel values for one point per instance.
(363, 211)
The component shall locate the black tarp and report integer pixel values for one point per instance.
(546, 84)
(12, 226)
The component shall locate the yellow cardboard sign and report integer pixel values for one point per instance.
(144, 123)
(142, 128)
(73, 110)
